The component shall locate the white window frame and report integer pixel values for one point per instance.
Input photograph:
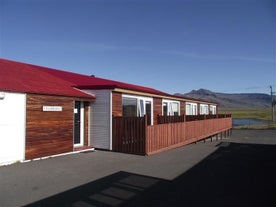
(213, 109)
(141, 104)
(204, 109)
(170, 107)
(193, 108)
(81, 126)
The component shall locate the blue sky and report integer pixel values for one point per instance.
(174, 46)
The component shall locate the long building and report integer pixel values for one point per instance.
(46, 112)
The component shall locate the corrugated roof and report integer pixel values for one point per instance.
(26, 78)
(23, 77)
(92, 82)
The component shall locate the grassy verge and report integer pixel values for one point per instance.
(261, 114)
(271, 126)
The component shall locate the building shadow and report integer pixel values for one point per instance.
(234, 175)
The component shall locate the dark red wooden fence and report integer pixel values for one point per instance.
(166, 136)
(170, 119)
(133, 135)
(129, 134)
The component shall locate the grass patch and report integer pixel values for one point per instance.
(261, 114)
(270, 126)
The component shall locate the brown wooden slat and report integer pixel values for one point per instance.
(117, 104)
(132, 135)
(48, 132)
(128, 134)
(157, 109)
(166, 136)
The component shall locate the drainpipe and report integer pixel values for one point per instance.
(272, 105)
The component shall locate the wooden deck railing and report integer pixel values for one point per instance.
(170, 119)
(183, 118)
(133, 135)
(166, 136)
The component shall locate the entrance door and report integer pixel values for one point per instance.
(78, 138)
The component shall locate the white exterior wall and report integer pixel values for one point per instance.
(12, 127)
(100, 119)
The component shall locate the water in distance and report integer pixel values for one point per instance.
(248, 121)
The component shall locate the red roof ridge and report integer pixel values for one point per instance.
(27, 78)
(73, 83)
(82, 81)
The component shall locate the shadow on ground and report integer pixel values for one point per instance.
(234, 175)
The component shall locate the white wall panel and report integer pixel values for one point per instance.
(100, 119)
(12, 127)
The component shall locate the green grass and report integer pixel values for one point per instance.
(270, 126)
(261, 114)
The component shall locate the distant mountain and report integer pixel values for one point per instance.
(228, 101)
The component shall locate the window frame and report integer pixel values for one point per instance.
(170, 107)
(203, 109)
(213, 109)
(193, 108)
(141, 101)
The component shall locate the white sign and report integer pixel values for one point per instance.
(52, 108)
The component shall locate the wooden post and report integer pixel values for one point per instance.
(145, 135)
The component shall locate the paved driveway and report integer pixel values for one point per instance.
(236, 171)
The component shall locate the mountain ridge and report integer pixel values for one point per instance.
(231, 100)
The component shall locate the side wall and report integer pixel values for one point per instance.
(12, 127)
(48, 132)
(100, 119)
(117, 105)
(182, 107)
(157, 109)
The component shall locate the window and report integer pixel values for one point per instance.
(204, 109)
(137, 106)
(129, 107)
(213, 109)
(171, 108)
(165, 108)
(191, 108)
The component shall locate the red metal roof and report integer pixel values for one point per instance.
(92, 82)
(26, 78)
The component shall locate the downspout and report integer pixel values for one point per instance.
(110, 120)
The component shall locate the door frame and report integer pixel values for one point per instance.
(81, 125)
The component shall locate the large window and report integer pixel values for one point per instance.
(213, 109)
(191, 108)
(137, 106)
(171, 108)
(129, 107)
(204, 109)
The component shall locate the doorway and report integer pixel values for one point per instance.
(78, 123)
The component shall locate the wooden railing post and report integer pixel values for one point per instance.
(145, 135)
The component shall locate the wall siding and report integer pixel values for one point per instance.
(100, 119)
(117, 106)
(182, 107)
(157, 109)
(167, 136)
(48, 132)
(12, 127)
